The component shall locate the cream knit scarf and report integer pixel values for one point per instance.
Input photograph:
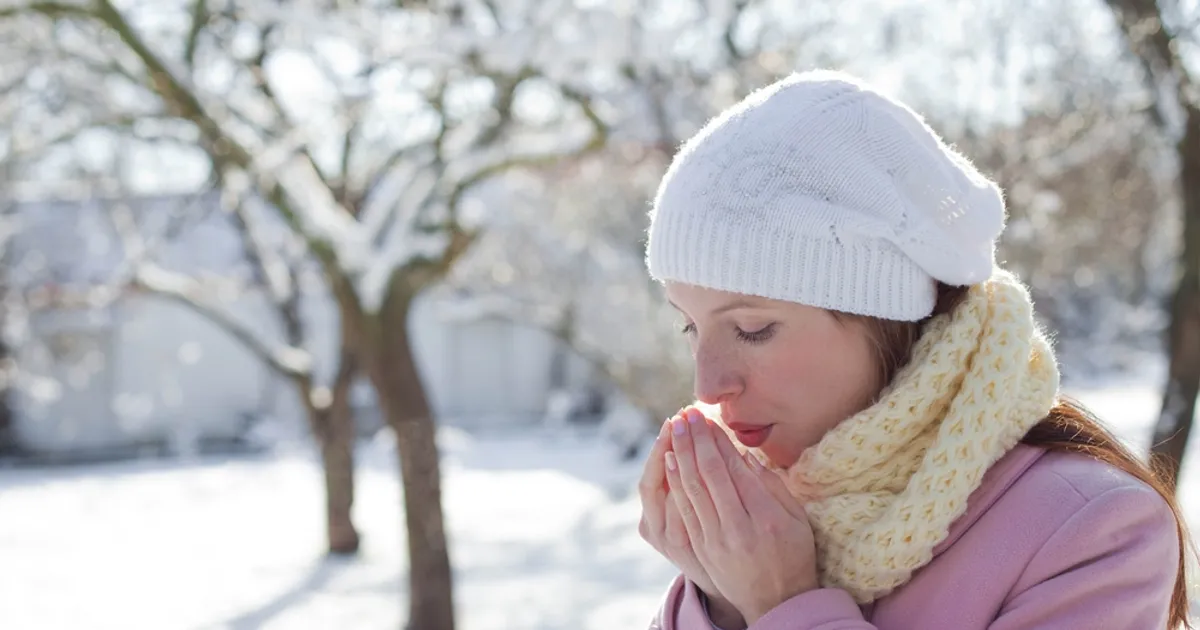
(883, 487)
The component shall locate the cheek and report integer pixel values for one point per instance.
(832, 374)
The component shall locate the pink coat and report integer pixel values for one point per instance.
(1049, 540)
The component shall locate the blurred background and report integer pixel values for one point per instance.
(333, 314)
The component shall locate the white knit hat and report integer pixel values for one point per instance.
(819, 189)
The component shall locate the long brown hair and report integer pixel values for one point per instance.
(1068, 427)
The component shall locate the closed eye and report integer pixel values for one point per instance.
(756, 337)
(752, 337)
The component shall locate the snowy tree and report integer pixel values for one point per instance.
(366, 128)
(10, 305)
(1158, 34)
(57, 116)
(278, 271)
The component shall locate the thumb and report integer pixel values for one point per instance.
(774, 484)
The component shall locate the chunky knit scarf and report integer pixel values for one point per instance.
(882, 488)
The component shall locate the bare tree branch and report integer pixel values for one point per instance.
(199, 19)
(388, 164)
(599, 134)
(280, 277)
(735, 55)
(258, 74)
(113, 67)
(422, 272)
(341, 192)
(506, 89)
(51, 10)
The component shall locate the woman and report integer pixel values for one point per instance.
(879, 440)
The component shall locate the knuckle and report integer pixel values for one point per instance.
(774, 526)
(692, 487)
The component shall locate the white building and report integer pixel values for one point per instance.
(146, 370)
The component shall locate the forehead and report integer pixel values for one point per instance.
(690, 297)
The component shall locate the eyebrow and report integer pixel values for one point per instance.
(731, 306)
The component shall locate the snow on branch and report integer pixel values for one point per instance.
(287, 360)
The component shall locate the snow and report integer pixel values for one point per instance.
(543, 535)
(543, 529)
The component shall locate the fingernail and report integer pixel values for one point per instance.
(671, 464)
(694, 416)
(754, 463)
(680, 426)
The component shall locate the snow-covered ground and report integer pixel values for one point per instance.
(543, 530)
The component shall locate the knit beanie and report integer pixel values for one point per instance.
(822, 190)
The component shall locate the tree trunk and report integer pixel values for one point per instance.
(335, 433)
(8, 371)
(401, 394)
(1179, 400)
(337, 458)
(331, 420)
(7, 421)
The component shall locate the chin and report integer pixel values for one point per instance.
(777, 459)
(781, 452)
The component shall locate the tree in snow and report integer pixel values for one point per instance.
(278, 271)
(1157, 35)
(366, 128)
(59, 116)
(10, 305)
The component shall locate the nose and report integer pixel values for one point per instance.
(718, 377)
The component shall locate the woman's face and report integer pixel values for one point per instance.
(782, 373)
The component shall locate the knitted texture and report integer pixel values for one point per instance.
(882, 488)
(820, 190)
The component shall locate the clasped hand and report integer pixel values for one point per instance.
(728, 523)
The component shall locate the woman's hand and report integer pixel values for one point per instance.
(662, 526)
(751, 536)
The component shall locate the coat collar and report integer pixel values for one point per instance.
(996, 481)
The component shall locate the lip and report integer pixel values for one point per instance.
(751, 435)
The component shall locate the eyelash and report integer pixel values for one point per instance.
(756, 337)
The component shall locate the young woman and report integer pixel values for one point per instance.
(879, 439)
